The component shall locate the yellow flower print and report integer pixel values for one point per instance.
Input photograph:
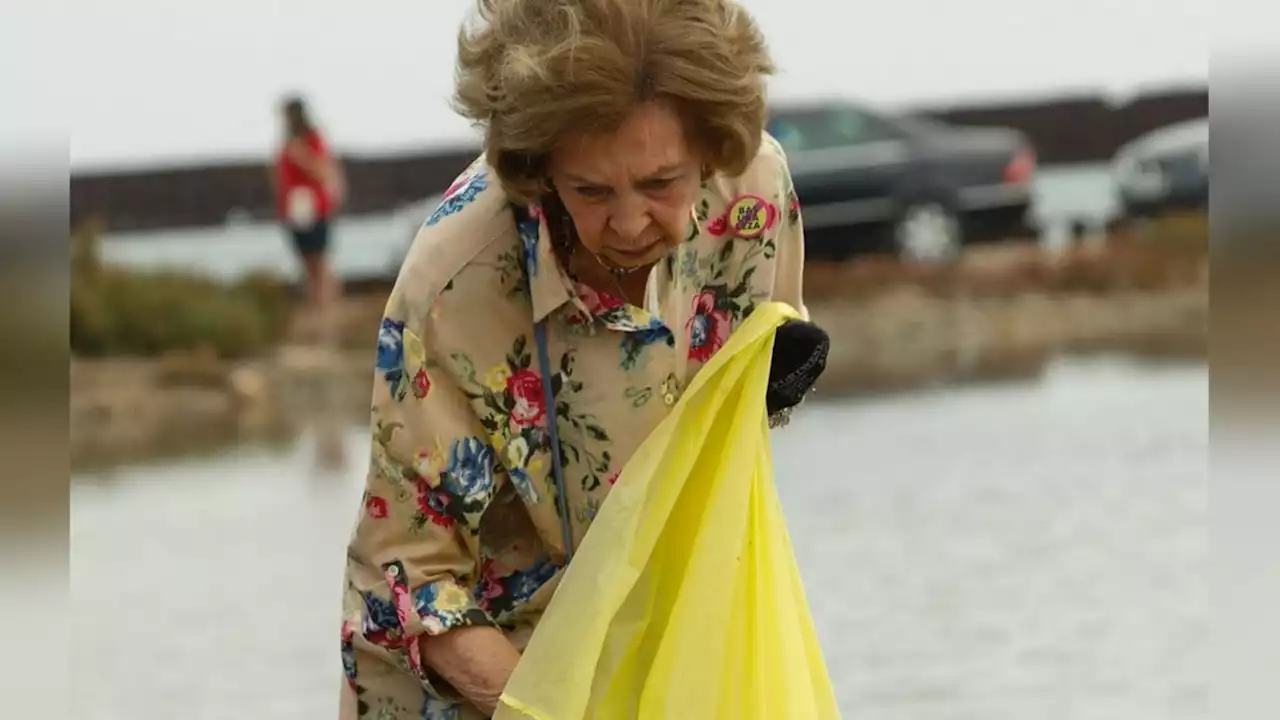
(429, 462)
(536, 466)
(517, 452)
(415, 355)
(497, 377)
(452, 598)
(497, 439)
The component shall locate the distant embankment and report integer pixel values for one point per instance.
(1084, 129)
(1067, 130)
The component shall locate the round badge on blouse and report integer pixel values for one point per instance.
(749, 216)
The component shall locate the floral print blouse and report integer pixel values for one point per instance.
(460, 523)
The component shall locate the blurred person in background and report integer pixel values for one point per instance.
(629, 211)
(310, 187)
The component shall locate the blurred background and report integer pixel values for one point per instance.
(998, 499)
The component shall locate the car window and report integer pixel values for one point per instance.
(825, 128)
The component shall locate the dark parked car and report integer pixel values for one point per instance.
(871, 182)
(1164, 170)
(912, 186)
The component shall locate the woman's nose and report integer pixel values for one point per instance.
(629, 219)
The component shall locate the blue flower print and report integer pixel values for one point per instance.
(654, 332)
(522, 585)
(425, 598)
(469, 472)
(379, 614)
(502, 594)
(529, 228)
(462, 194)
(391, 353)
(524, 485)
(699, 330)
(348, 654)
(634, 342)
(433, 708)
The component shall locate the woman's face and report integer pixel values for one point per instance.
(630, 192)
(293, 120)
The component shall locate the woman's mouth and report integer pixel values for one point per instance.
(636, 254)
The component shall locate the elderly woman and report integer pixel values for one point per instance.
(628, 213)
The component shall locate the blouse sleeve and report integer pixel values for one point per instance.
(432, 474)
(788, 278)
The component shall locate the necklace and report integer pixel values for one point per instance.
(616, 271)
(568, 249)
(616, 275)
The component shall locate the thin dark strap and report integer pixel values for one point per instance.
(557, 468)
(548, 392)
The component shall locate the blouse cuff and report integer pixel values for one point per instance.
(430, 609)
(445, 605)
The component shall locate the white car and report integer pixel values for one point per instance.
(1165, 169)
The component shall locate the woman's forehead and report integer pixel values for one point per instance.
(650, 142)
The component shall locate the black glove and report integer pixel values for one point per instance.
(799, 357)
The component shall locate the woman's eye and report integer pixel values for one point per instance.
(658, 185)
(591, 191)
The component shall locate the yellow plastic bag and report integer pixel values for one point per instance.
(684, 600)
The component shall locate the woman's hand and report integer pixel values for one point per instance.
(476, 661)
(799, 357)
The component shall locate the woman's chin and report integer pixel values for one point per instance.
(639, 258)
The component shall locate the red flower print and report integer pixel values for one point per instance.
(402, 601)
(434, 504)
(598, 302)
(718, 226)
(490, 584)
(376, 506)
(609, 302)
(414, 650)
(525, 387)
(383, 638)
(612, 479)
(421, 384)
(708, 328)
(456, 186)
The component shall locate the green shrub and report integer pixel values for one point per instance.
(125, 312)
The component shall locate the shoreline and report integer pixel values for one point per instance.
(1004, 312)
(136, 410)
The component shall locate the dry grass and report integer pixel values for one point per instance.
(1170, 254)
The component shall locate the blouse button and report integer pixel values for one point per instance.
(669, 399)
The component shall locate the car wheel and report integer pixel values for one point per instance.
(928, 233)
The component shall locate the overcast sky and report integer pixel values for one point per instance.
(161, 81)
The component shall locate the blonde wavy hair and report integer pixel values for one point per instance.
(531, 72)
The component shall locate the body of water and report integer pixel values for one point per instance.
(1021, 551)
(373, 245)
